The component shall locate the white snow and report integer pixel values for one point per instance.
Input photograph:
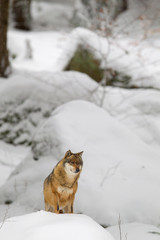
(44, 225)
(43, 58)
(10, 157)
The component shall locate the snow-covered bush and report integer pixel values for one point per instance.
(26, 101)
(21, 109)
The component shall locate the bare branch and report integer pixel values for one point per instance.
(119, 225)
(4, 218)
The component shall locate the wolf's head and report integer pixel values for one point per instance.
(73, 162)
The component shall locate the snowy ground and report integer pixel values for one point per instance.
(135, 231)
(118, 130)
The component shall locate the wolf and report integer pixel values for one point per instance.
(61, 185)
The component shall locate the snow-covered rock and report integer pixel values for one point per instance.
(44, 225)
(120, 173)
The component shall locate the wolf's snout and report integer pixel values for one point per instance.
(77, 170)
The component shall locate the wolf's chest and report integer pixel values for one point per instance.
(64, 191)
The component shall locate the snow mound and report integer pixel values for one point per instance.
(27, 100)
(43, 225)
(134, 231)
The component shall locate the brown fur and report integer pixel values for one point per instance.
(61, 185)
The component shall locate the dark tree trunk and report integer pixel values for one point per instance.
(21, 12)
(4, 62)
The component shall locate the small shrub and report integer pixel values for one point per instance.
(117, 79)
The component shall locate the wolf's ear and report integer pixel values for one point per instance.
(80, 154)
(68, 153)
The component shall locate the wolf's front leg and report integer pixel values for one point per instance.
(71, 203)
(55, 203)
(68, 207)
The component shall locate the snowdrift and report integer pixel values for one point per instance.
(43, 225)
(120, 173)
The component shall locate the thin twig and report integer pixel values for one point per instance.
(4, 218)
(119, 225)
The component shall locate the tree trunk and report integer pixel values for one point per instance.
(4, 62)
(21, 12)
